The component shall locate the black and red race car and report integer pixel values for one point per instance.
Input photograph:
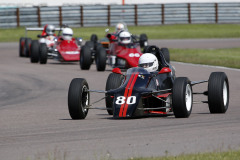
(52, 46)
(111, 52)
(140, 93)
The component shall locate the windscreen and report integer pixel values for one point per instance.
(136, 77)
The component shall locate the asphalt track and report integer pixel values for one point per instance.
(34, 118)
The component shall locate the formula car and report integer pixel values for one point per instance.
(50, 46)
(114, 51)
(140, 93)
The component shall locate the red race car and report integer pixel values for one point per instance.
(122, 51)
(62, 47)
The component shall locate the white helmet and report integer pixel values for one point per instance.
(119, 27)
(67, 33)
(125, 37)
(148, 61)
(50, 29)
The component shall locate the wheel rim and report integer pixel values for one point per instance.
(225, 93)
(188, 97)
(85, 100)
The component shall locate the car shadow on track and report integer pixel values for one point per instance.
(65, 63)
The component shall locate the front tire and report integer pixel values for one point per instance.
(34, 56)
(85, 58)
(78, 98)
(101, 59)
(28, 42)
(182, 98)
(21, 46)
(43, 53)
(114, 81)
(218, 92)
(94, 38)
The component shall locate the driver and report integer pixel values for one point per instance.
(148, 61)
(125, 38)
(120, 27)
(67, 34)
(48, 30)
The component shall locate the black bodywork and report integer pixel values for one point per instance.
(135, 94)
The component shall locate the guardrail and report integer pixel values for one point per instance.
(109, 15)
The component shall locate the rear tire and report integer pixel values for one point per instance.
(34, 56)
(43, 53)
(101, 59)
(90, 44)
(78, 98)
(28, 42)
(21, 46)
(182, 98)
(218, 92)
(166, 54)
(85, 58)
(114, 81)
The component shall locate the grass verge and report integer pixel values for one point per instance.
(177, 31)
(217, 57)
(230, 155)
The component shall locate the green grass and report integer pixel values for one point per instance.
(230, 155)
(217, 155)
(217, 57)
(179, 31)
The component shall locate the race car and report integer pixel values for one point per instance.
(141, 93)
(122, 52)
(47, 36)
(62, 47)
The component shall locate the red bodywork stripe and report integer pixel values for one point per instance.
(125, 95)
(164, 95)
(157, 112)
(128, 93)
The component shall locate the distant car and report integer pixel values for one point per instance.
(113, 53)
(141, 93)
(49, 46)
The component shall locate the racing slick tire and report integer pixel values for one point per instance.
(143, 40)
(90, 44)
(78, 98)
(94, 38)
(166, 54)
(85, 58)
(182, 98)
(114, 81)
(97, 45)
(34, 56)
(43, 53)
(101, 59)
(28, 42)
(21, 46)
(218, 92)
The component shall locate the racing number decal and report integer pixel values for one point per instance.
(134, 55)
(130, 100)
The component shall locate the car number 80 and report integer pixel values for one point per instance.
(122, 100)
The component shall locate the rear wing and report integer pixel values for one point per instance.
(39, 29)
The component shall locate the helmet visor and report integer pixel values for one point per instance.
(146, 65)
(124, 38)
